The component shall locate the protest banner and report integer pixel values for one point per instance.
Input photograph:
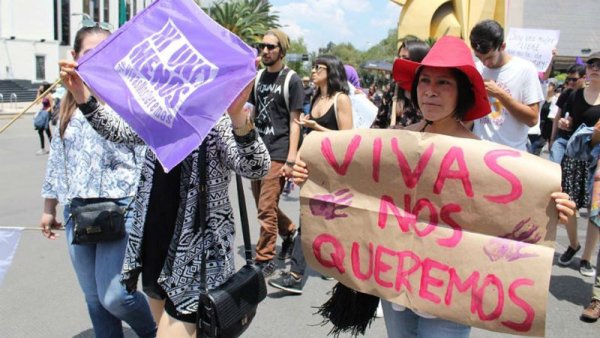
(9, 240)
(457, 228)
(170, 73)
(535, 45)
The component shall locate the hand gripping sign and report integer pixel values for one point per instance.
(457, 228)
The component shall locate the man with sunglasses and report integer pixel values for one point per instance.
(560, 131)
(278, 97)
(512, 85)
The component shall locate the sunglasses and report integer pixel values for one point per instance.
(595, 64)
(91, 23)
(571, 79)
(269, 46)
(317, 68)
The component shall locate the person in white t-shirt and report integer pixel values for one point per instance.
(512, 85)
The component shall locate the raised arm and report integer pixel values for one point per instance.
(109, 125)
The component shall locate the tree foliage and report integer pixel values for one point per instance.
(298, 46)
(248, 19)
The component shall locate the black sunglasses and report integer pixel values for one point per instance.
(571, 79)
(269, 46)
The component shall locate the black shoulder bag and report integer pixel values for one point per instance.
(95, 220)
(228, 310)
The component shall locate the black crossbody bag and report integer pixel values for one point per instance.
(228, 310)
(95, 220)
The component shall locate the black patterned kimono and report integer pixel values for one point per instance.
(180, 276)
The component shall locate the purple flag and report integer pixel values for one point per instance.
(170, 72)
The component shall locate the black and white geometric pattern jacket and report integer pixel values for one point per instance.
(180, 276)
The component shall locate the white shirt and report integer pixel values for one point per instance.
(519, 79)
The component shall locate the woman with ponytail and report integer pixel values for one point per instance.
(83, 165)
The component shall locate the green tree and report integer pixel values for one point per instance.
(346, 52)
(298, 47)
(248, 19)
(385, 50)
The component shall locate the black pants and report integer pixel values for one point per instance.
(298, 261)
(41, 134)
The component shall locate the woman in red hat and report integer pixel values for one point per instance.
(447, 89)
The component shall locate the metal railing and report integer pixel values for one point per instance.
(13, 100)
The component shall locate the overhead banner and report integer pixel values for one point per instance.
(457, 228)
(535, 45)
(170, 72)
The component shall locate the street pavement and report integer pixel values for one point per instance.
(40, 296)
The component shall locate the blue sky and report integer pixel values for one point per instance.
(362, 22)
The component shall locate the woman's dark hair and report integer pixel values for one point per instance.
(577, 68)
(417, 49)
(337, 81)
(465, 98)
(68, 104)
(487, 35)
(45, 87)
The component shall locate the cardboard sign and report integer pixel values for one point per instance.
(534, 45)
(457, 228)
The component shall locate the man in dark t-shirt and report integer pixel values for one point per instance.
(274, 120)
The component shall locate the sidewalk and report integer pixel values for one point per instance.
(8, 109)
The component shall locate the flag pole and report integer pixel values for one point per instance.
(37, 100)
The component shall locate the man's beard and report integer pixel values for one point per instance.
(270, 62)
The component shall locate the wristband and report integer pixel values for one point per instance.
(243, 130)
(290, 163)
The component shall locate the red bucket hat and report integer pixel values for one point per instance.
(448, 52)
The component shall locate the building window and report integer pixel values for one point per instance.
(56, 19)
(96, 6)
(40, 67)
(128, 9)
(106, 17)
(65, 22)
(86, 6)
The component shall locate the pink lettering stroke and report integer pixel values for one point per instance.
(329, 206)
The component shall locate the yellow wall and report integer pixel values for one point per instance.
(436, 18)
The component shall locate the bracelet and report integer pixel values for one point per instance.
(290, 163)
(243, 130)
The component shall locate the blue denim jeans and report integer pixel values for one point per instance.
(535, 144)
(98, 269)
(407, 324)
(559, 147)
(306, 108)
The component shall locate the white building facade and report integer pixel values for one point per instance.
(36, 34)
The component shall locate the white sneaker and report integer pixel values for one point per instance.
(586, 269)
(40, 152)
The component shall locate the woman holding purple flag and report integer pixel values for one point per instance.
(166, 208)
(84, 166)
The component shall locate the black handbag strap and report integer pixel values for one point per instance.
(203, 205)
(244, 218)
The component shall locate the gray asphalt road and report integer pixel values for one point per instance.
(40, 296)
